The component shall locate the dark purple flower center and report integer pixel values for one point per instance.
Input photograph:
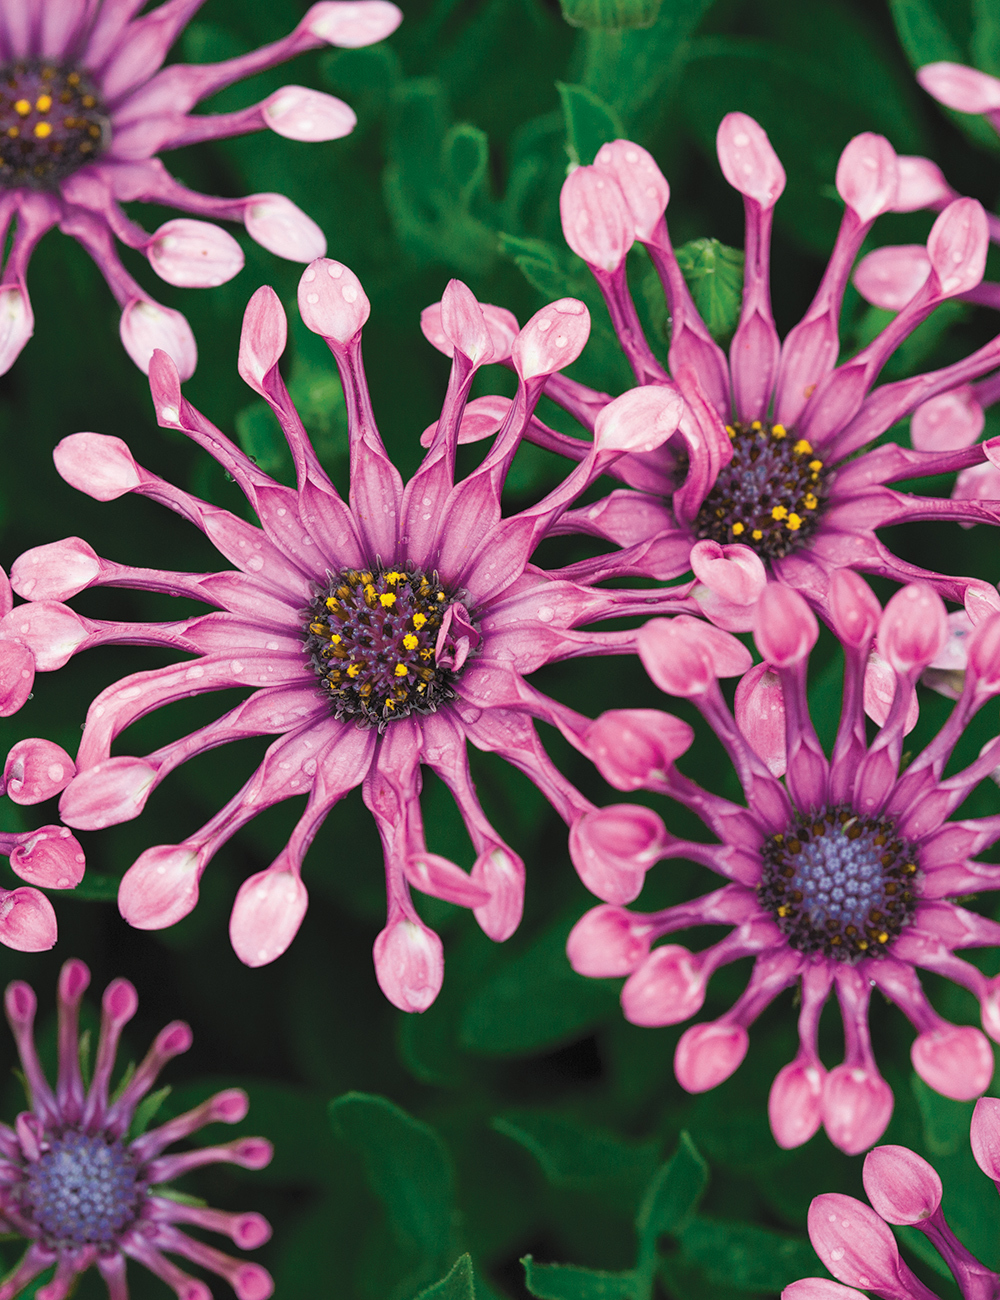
(82, 1190)
(839, 884)
(52, 121)
(372, 635)
(770, 494)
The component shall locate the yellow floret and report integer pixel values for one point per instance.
(737, 529)
(793, 522)
(353, 670)
(401, 670)
(419, 620)
(756, 426)
(802, 448)
(756, 534)
(778, 430)
(811, 502)
(388, 600)
(815, 466)
(779, 512)
(410, 641)
(394, 577)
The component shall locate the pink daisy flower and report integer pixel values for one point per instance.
(778, 458)
(837, 878)
(375, 636)
(81, 1193)
(856, 1244)
(85, 108)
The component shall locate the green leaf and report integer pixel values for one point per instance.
(146, 1111)
(96, 888)
(746, 1257)
(579, 1156)
(535, 1001)
(590, 123)
(986, 36)
(466, 154)
(458, 1285)
(673, 1195)
(567, 1282)
(407, 1168)
(714, 274)
(946, 1122)
(260, 436)
(610, 15)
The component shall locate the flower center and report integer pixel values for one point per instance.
(82, 1190)
(387, 642)
(768, 496)
(839, 884)
(51, 123)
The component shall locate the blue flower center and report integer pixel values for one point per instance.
(82, 1190)
(839, 884)
(769, 495)
(372, 638)
(52, 121)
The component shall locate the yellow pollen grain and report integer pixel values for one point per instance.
(394, 577)
(793, 523)
(778, 430)
(756, 426)
(42, 129)
(401, 670)
(783, 910)
(426, 654)
(810, 501)
(22, 107)
(883, 937)
(737, 529)
(331, 602)
(353, 670)
(88, 101)
(440, 595)
(779, 512)
(73, 79)
(388, 599)
(419, 620)
(802, 448)
(43, 103)
(370, 594)
(334, 639)
(756, 534)
(815, 466)
(410, 642)
(731, 431)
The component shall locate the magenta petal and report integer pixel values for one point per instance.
(50, 857)
(266, 916)
(708, 1054)
(409, 964)
(901, 1186)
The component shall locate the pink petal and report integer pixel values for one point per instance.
(596, 222)
(667, 988)
(17, 675)
(298, 113)
(760, 716)
(854, 1243)
(110, 792)
(464, 323)
(97, 464)
(409, 964)
(956, 1061)
(552, 339)
(17, 324)
(748, 161)
(51, 631)
(921, 184)
(880, 690)
(194, 254)
(266, 915)
(889, 277)
(947, 422)
(263, 337)
(957, 246)
(984, 1136)
(608, 941)
(795, 1104)
(857, 1106)
(434, 875)
(641, 420)
(146, 326)
(36, 770)
(281, 227)
(160, 887)
(868, 176)
(55, 571)
(331, 300)
(27, 921)
(785, 628)
(500, 872)
(708, 1054)
(612, 849)
(50, 857)
(642, 184)
(902, 1187)
(913, 628)
(956, 86)
(854, 608)
(352, 23)
(632, 747)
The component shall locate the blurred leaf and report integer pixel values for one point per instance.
(554, 272)
(577, 1155)
(407, 1168)
(714, 274)
(535, 1001)
(97, 888)
(458, 1285)
(566, 1282)
(746, 1257)
(673, 1195)
(946, 1122)
(466, 155)
(986, 36)
(146, 1111)
(935, 30)
(590, 123)
(610, 15)
(260, 436)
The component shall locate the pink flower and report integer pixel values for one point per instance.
(74, 1137)
(378, 635)
(771, 455)
(836, 877)
(87, 108)
(856, 1244)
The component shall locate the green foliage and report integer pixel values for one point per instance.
(566, 1282)
(589, 122)
(674, 1193)
(460, 1283)
(610, 15)
(714, 274)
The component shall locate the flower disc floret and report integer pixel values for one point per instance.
(769, 496)
(81, 1190)
(52, 121)
(372, 635)
(839, 884)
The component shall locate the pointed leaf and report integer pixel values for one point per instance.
(567, 1282)
(674, 1193)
